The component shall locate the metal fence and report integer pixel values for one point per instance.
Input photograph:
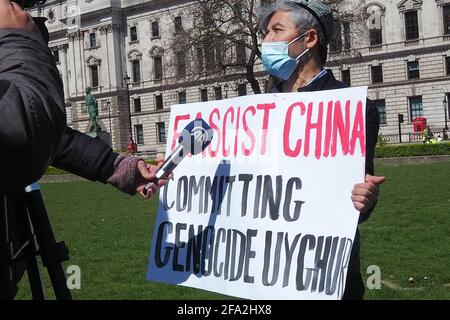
(410, 137)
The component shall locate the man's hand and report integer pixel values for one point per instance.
(148, 174)
(365, 195)
(14, 17)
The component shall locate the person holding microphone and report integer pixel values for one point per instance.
(33, 128)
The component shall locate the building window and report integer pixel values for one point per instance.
(242, 90)
(158, 69)
(447, 65)
(139, 132)
(345, 77)
(161, 132)
(241, 54)
(159, 103)
(56, 55)
(218, 93)
(267, 86)
(411, 25)
(336, 40)
(203, 95)
(238, 9)
(413, 70)
(381, 106)
(200, 59)
(133, 34)
(92, 40)
(376, 37)
(181, 64)
(155, 29)
(94, 76)
(182, 97)
(377, 74)
(207, 19)
(137, 105)
(446, 19)
(415, 107)
(178, 24)
(136, 71)
(347, 35)
(219, 53)
(210, 58)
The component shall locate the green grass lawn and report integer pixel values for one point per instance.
(108, 234)
(409, 233)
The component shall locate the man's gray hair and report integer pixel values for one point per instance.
(302, 18)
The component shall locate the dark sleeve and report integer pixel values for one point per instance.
(372, 128)
(32, 112)
(86, 157)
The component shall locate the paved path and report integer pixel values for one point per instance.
(57, 178)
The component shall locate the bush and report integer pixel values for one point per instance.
(381, 140)
(412, 150)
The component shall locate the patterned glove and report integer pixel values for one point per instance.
(126, 174)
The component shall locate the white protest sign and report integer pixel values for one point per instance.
(265, 212)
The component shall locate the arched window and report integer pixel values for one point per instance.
(135, 57)
(93, 64)
(156, 53)
(410, 11)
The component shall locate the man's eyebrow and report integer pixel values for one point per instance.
(278, 24)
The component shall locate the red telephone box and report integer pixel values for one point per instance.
(131, 147)
(419, 124)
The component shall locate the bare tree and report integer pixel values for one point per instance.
(351, 30)
(221, 42)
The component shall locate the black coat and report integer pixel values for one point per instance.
(354, 287)
(33, 129)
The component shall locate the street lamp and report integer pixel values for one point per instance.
(108, 105)
(445, 111)
(127, 81)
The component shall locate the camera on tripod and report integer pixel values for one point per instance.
(27, 4)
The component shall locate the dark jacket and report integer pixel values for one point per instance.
(354, 286)
(33, 129)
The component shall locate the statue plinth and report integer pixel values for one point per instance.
(105, 136)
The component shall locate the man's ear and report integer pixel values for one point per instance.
(312, 38)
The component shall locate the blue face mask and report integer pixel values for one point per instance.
(276, 59)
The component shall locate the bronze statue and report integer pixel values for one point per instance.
(92, 110)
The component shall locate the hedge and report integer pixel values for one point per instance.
(152, 162)
(55, 171)
(389, 151)
(412, 150)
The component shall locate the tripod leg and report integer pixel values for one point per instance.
(31, 250)
(52, 253)
(6, 275)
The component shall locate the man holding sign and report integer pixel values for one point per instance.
(269, 209)
(296, 35)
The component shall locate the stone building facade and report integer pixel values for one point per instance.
(404, 59)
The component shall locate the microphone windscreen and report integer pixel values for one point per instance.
(196, 136)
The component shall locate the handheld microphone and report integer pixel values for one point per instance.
(194, 138)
